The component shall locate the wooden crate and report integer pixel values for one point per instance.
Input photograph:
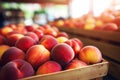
(95, 72)
(113, 37)
(107, 42)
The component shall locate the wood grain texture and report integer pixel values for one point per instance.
(84, 73)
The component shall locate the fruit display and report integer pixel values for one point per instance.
(105, 22)
(35, 50)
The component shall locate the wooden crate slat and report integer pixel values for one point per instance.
(84, 73)
(104, 35)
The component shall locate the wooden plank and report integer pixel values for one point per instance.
(107, 49)
(84, 73)
(98, 34)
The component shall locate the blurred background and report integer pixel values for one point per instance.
(44, 11)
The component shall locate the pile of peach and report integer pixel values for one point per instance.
(106, 22)
(34, 50)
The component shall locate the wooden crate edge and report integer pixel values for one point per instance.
(62, 75)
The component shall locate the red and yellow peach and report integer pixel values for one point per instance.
(75, 64)
(37, 55)
(25, 43)
(48, 41)
(11, 54)
(49, 67)
(16, 69)
(62, 53)
(90, 54)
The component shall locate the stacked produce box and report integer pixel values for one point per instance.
(43, 52)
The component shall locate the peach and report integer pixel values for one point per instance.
(90, 54)
(25, 43)
(55, 28)
(21, 28)
(75, 64)
(33, 36)
(98, 28)
(107, 17)
(12, 32)
(37, 55)
(49, 67)
(48, 41)
(13, 26)
(6, 30)
(3, 48)
(39, 33)
(62, 53)
(16, 69)
(76, 44)
(11, 54)
(61, 39)
(2, 40)
(117, 20)
(50, 31)
(11, 40)
(63, 34)
(79, 24)
(41, 28)
(46, 26)
(110, 27)
(29, 28)
(59, 23)
(78, 41)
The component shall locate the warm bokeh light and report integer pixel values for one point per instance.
(100, 6)
(81, 7)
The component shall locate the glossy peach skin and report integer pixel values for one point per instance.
(75, 46)
(21, 28)
(62, 53)
(39, 33)
(3, 48)
(50, 31)
(75, 64)
(90, 54)
(78, 41)
(2, 39)
(11, 40)
(110, 27)
(13, 26)
(61, 39)
(5, 30)
(37, 55)
(11, 54)
(48, 41)
(16, 69)
(29, 28)
(62, 34)
(33, 36)
(117, 20)
(24, 43)
(49, 67)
